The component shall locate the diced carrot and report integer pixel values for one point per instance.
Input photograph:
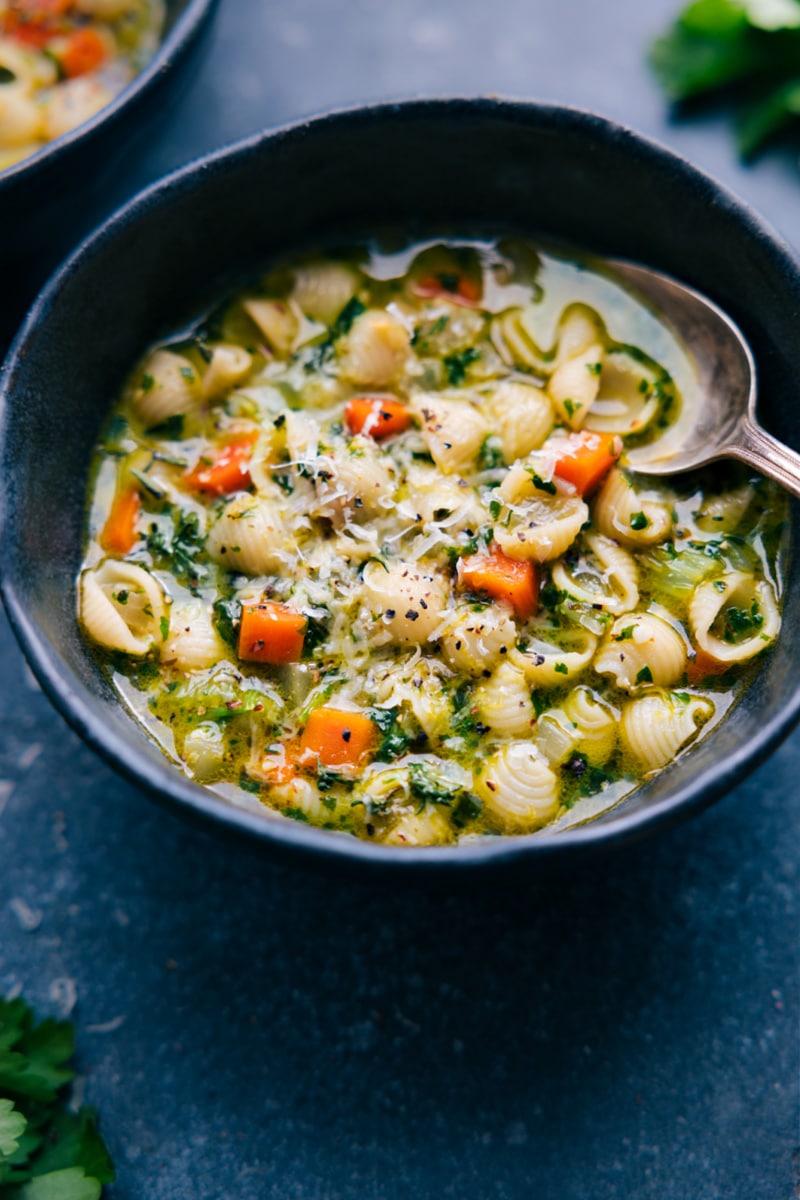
(703, 665)
(41, 9)
(35, 22)
(338, 738)
(588, 459)
(119, 534)
(271, 633)
(454, 286)
(377, 417)
(82, 51)
(227, 471)
(502, 578)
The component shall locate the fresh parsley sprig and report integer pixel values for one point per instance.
(751, 47)
(47, 1152)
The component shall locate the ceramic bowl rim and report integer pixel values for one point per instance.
(293, 838)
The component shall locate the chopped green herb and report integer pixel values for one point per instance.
(147, 383)
(639, 521)
(624, 634)
(739, 622)
(429, 788)
(561, 668)
(172, 428)
(456, 364)
(394, 741)
(491, 453)
(48, 1151)
(645, 675)
(227, 618)
(249, 785)
(543, 485)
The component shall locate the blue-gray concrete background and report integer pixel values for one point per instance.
(247, 1031)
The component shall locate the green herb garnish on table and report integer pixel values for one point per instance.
(751, 48)
(47, 1151)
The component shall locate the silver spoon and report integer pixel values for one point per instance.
(725, 425)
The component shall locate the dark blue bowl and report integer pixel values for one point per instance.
(459, 165)
(51, 199)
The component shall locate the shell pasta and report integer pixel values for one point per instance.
(365, 544)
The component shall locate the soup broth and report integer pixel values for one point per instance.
(365, 548)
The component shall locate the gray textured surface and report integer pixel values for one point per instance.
(249, 1032)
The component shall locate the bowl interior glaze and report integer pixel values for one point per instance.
(457, 166)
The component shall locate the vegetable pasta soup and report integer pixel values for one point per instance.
(365, 548)
(61, 61)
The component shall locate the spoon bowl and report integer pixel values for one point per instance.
(724, 423)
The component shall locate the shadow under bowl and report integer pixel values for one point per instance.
(468, 166)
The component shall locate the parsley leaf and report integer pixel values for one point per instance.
(491, 453)
(749, 46)
(430, 788)
(181, 551)
(394, 740)
(456, 364)
(47, 1151)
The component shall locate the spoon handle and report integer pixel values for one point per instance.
(758, 448)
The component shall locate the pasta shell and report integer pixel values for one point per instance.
(193, 642)
(353, 483)
(322, 289)
(723, 513)
(72, 103)
(606, 576)
(121, 607)
(277, 322)
(518, 788)
(229, 365)
(169, 387)
(453, 430)
(574, 384)
(513, 337)
(20, 116)
(642, 649)
(740, 591)
(595, 725)
(475, 641)
(376, 351)
(407, 600)
(250, 536)
(624, 402)
(522, 416)
(629, 516)
(427, 828)
(549, 665)
(655, 727)
(504, 702)
(542, 528)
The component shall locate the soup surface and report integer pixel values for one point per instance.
(365, 550)
(61, 61)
